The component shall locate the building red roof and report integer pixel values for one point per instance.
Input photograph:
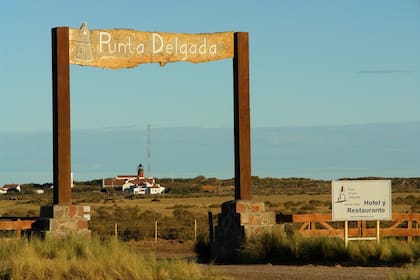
(10, 186)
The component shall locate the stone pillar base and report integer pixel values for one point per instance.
(63, 220)
(239, 220)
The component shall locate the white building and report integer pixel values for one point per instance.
(145, 188)
(10, 188)
(134, 184)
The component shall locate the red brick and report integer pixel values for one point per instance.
(256, 207)
(72, 211)
(241, 207)
(82, 224)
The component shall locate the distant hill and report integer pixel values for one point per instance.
(317, 152)
(267, 186)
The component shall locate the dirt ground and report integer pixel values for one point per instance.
(184, 250)
(306, 272)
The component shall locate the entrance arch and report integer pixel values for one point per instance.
(128, 48)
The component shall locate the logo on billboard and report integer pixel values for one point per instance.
(341, 196)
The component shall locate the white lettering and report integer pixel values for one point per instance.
(140, 48)
(213, 49)
(169, 48)
(158, 46)
(155, 37)
(103, 41)
(122, 48)
(203, 47)
(129, 45)
(183, 51)
(193, 49)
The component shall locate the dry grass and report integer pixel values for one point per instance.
(164, 204)
(277, 247)
(287, 204)
(22, 207)
(81, 258)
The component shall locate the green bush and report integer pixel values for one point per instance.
(363, 252)
(271, 246)
(394, 251)
(318, 249)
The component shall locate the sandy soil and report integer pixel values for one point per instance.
(306, 272)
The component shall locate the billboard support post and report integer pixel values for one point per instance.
(347, 238)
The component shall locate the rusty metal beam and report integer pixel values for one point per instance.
(242, 117)
(61, 115)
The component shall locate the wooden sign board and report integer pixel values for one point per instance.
(126, 48)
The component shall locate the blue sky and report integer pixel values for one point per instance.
(313, 63)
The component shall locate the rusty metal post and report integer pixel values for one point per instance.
(61, 115)
(242, 117)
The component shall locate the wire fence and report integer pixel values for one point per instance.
(188, 228)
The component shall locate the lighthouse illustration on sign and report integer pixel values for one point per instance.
(341, 196)
(84, 48)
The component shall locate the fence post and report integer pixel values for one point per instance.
(312, 225)
(116, 231)
(156, 232)
(211, 228)
(211, 235)
(18, 230)
(363, 229)
(410, 226)
(195, 229)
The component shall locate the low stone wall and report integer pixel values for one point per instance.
(239, 220)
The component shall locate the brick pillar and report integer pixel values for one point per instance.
(62, 220)
(238, 221)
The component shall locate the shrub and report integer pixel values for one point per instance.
(318, 249)
(394, 251)
(362, 252)
(271, 246)
(308, 207)
(275, 247)
(202, 247)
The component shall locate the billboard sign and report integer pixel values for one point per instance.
(355, 200)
